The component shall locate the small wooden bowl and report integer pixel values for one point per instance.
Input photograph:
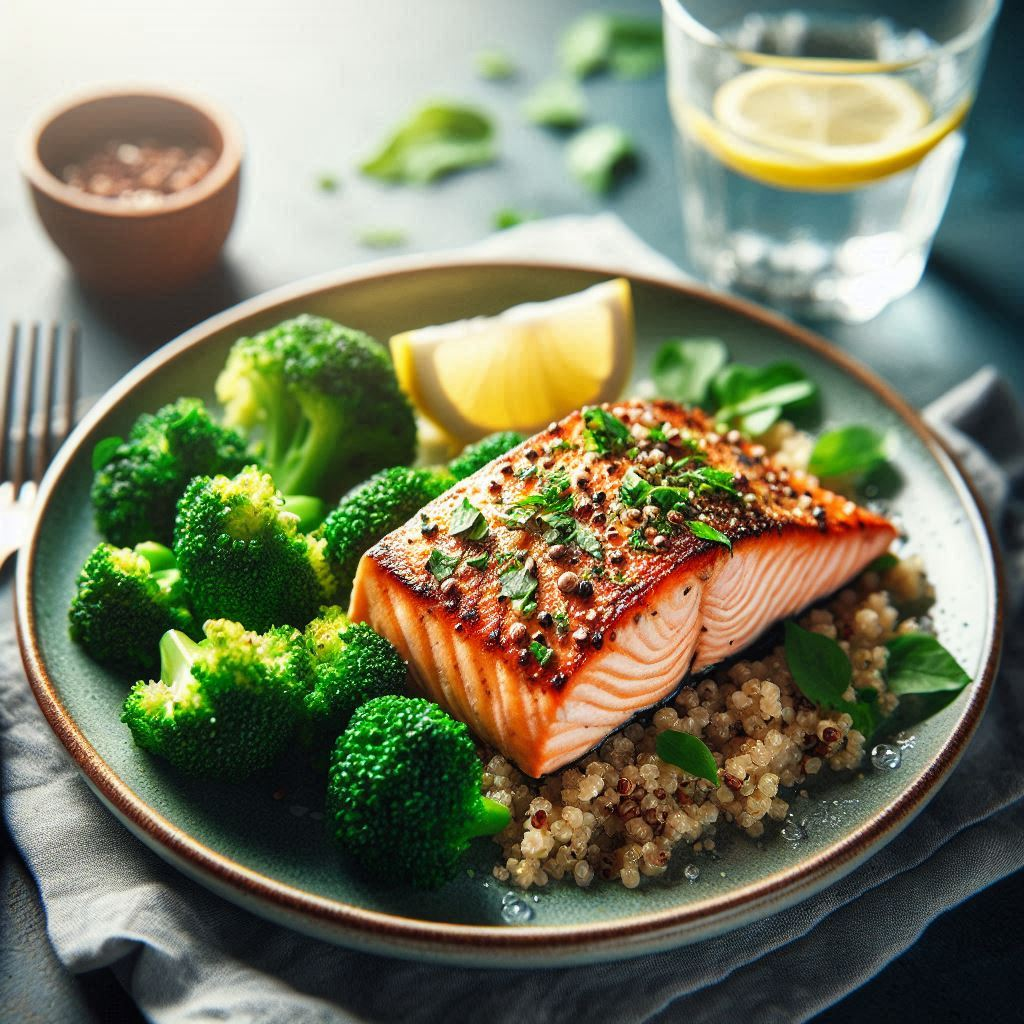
(113, 246)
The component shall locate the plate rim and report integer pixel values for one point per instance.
(331, 918)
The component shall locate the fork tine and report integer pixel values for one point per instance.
(69, 384)
(26, 389)
(42, 449)
(6, 383)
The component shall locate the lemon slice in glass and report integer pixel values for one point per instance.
(820, 132)
(523, 368)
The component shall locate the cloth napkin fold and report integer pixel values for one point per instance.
(186, 955)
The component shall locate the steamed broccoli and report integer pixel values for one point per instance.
(351, 665)
(139, 480)
(327, 400)
(403, 795)
(487, 449)
(124, 602)
(243, 557)
(223, 708)
(374, 509)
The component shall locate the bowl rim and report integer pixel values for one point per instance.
(475, 944)
(39, 176)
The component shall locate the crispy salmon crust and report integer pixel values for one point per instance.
(628, 597)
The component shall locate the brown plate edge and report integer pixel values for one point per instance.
(390, 933)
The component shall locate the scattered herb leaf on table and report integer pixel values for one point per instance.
(495, 65)
(556, 103)
(598, 155)
(630, 47)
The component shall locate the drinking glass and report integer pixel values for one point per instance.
(817, 146)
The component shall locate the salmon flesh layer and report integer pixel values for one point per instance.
(601, 573)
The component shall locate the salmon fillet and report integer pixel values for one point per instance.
(608, 573)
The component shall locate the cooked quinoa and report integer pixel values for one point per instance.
(620, 812)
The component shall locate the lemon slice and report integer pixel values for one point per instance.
(523, 368)
(820, 132)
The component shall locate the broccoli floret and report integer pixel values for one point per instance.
(223, 708)
(124, 602)
(487, 449)
(403, 794)
(242, 556)
(327, 401)
(139, 480)
(351, 665)
(375, 508)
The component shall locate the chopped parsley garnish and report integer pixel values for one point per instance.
(469, 521)
(679, 488)
(604, 433)
(479, 561)
(586, 540)
(555, 496)
(527, 473)
(561, 623)
(441, 566)
(638, 542)
(520, 587)
(657, 434)
(705, 532)
(541, 652)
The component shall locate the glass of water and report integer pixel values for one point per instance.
(817, 146)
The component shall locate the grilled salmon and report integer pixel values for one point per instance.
(549, 597)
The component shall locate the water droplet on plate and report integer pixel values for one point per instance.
(886, 757)
(691, 872)
(515, 910)
(793, 831)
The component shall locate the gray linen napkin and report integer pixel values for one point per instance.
(186, 955)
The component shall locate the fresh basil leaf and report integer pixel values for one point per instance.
(598, 156)
(440, 565)
(818, 665)
(631, 47)
(519, 587)
(104, 451)
(557, 103)
(853, 449)
(684, 368)
(705, 532)
(494, 65)
(865, 717)
(436, 140)
(634, 489)
(382, 238)
(468, 520)
(479, 562)
(777, 397)
(918, 663)
(687, 752)
(757, 396)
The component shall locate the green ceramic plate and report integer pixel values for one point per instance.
(265, 849)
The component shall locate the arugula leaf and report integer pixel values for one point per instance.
(494, 65)
(598, 156)
(684, 368)
(104, 451)
(918, 663)
(604, 432)
(510, 218)
(705, 532)
(687, 752)
(441, 566)
(557, 103)
(436, 140)
(631, 47)
(541, 652)
(755, 397)
(519, 587)
(479, 562)
(382, 238)
(853, 449)
(469, 520)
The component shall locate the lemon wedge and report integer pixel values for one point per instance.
(820, 132)
(523, 368)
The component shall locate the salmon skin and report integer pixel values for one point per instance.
(615, 551)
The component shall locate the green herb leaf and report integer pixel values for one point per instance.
(557, 103)
(436, 140)
(382, 238)
(519, 587)
(509, 218)
(755, 397)
(467, 519)
(561, 623)
(104, 451)
(494, 65)
(918, 663)
(634, 489)
(328, 183)
(638, 542)
(541, 652)
(631, 47)
(705, 532)
(684, 368)
(597, 157)
(604, 433)
(854, 449)
(586, 540)
(883, 563)
(479, 562)
(441, 566)
(687, 752)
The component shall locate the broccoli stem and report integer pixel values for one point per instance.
(158, 556)
(490, 817)
(177, 655)
(310, 510)
(168, 580)
(307, 458)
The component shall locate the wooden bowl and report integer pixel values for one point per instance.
(112, 245)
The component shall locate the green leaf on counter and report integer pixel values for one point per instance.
(557, 103)
(631, 47)
(598, 156)
(495, 65)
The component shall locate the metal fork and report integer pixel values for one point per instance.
(38, 377)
